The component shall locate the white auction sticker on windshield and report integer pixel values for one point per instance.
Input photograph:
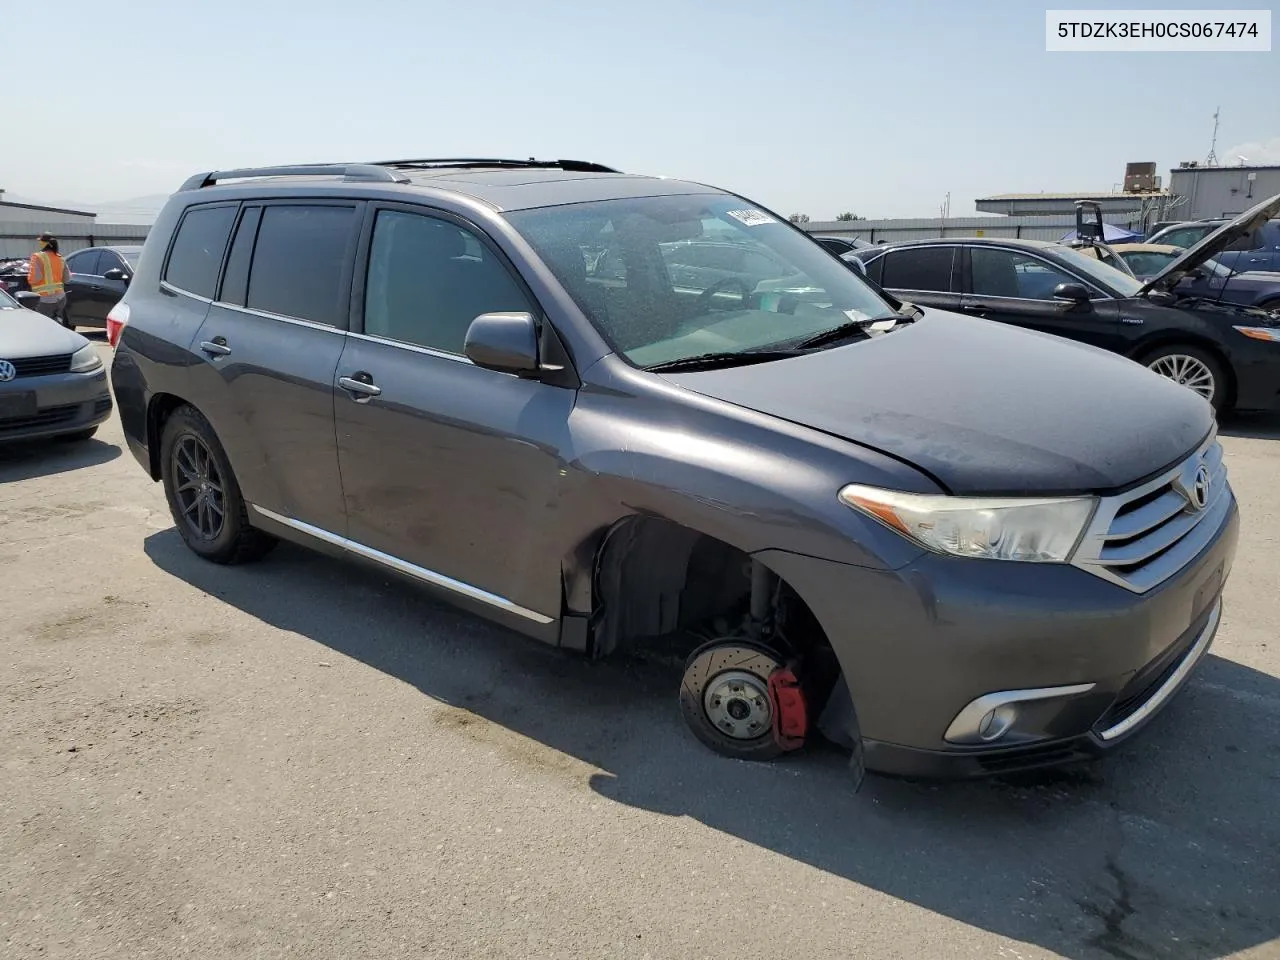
(752, 218)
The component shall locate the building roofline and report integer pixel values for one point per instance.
(43, 209)
(1083, 195)
(1234, 168)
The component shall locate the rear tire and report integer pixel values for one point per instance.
(204, 498)
(725, 698)
(1194, 368)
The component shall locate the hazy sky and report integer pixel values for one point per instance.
(819, 106)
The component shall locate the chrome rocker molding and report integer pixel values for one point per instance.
(1174, 681)
(403, 566)
(965, 728)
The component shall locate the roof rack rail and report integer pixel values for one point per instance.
(574, 166)
(353, 172)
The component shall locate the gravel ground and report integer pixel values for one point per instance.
(304, 758)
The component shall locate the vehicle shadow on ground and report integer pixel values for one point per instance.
(27, 459)
(1251, 426)
(1166, 849)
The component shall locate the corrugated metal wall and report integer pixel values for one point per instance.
(1222, 191)
(18, 239)
(1026, 228)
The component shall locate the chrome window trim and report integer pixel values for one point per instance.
(1174, 680)
(413, 347)
(1089, 553)
(267, 315)
(170, 288)
(404, 566)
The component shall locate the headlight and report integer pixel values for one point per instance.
(85, 359)
(1034, 530)
(1261, 333)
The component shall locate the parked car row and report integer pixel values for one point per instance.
(1262, 252)
(97, 279)
(52, 381)
(601, 408)
(1189, 318)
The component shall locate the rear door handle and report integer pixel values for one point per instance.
(974, 307)
(360, 387)
(217, 347)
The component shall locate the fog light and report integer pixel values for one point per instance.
(996, 723)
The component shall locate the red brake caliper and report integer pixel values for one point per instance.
(790, 715)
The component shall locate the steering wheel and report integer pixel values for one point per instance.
(703, 302)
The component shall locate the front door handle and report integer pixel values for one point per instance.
(361, 387)
(974, 307)
(217, 347)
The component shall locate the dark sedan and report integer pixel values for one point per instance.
(52, 381)
(99, 277)
(1226, 352)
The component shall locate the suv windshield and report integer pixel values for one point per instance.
(1121, 283)
(669, 278)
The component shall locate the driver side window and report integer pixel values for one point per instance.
(429, 278)
(1003, 273)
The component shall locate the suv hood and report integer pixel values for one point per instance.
(1213, 244)
(982, 407)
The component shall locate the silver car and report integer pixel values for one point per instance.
(52, 380)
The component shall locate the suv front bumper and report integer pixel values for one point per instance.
(919, 644)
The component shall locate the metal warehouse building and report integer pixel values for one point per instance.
(1221, 191)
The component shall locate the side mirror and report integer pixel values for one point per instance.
(1071, 292)
(506, 342)
(115, 273)
(27, 298)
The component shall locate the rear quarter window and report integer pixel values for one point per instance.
(299, 260)
(918, 268)
(198, 245)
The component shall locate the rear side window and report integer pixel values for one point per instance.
(197, 250)
(235, 281)
(299, 260)
(85, 263)
(921, 268)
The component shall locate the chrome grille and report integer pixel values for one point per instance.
(1141, 538)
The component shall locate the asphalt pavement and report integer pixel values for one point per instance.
(308, 758)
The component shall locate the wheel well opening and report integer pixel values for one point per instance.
(658, 583)
(1148, 347)
(159, 410)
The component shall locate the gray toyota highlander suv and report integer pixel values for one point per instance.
(952, 546)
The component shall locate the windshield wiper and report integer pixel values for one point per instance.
(710, 361)
(849, 329)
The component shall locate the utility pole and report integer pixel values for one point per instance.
(1212, 159)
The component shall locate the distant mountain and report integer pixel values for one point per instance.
(141, 210)
(137, 210)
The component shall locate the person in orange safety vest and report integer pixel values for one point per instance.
(47, 275)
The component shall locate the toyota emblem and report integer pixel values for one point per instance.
(7, 371)
(1199, 493)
